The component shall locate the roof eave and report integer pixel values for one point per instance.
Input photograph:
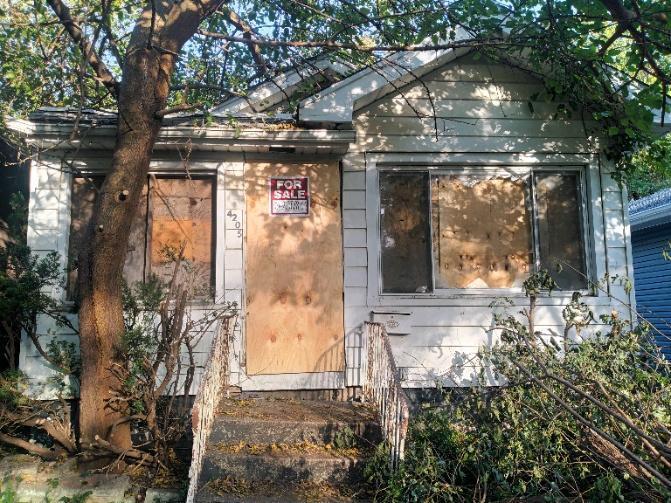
(651, 217)
(57, 137)
(278, 89)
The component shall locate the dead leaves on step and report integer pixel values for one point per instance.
(282, 449)
(305, 490)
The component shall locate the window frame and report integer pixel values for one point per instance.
(484, 169)
(198, 299)
(215, 269)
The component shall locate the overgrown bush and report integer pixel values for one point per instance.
(40, 427)
(583, 422)
(26, 280)
(158, 352)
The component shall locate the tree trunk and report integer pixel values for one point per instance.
(144, 89)
(143, 93)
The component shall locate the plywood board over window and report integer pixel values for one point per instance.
(294, 275)
(172, 213)
(482, 232)
(181, 219)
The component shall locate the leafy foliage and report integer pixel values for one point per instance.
(651, 169)
(26, 283)
(583, 49)
(591, 423)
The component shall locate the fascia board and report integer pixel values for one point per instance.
(651, 217)
(57, 137)
(273, 92)
(391, 87)
(269, 91)
(337, 103)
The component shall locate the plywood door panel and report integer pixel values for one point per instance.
(294, 275)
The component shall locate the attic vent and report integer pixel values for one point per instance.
(286, 150)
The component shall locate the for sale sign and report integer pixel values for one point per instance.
(290, 196)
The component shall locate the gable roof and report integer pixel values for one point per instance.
(339, 102)
(282, 87)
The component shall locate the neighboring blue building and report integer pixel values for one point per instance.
(650, 219)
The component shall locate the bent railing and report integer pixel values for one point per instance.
(382, 387)
(214, 380)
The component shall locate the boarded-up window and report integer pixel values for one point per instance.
(482, 232)
(181, 218)
(177, 213)
(84, 192)
(559, 228)
(442, 230)
(406, 265)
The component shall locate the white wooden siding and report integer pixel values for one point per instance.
(487, 114)
(356, 264)
(48, 231)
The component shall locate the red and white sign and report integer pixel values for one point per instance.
(290, 196)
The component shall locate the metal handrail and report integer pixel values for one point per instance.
(214, 380)
(382, 386)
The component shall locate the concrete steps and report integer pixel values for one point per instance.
(293, 493)
(285, 450)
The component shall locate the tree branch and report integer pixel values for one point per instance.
(60, 435)
(139, 456)
(102, 72)
(36, 449)
(185, 107)
(625, 19)
(328, 44)
(107, 28)
(247, 33)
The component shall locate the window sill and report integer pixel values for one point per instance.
(481, 299)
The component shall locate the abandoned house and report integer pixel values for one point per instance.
(414, 194)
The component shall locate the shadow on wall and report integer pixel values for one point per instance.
(14, 178)
(294, 275)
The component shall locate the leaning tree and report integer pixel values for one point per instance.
(147, 59)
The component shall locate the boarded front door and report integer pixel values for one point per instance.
(294, 274)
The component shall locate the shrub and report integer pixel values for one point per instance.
(25, 282)
(158, 352)
(588, 421)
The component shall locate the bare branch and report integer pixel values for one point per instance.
(179, 108)
(102, 72)
(58, 432)
(247, 35)
(36, 449)
(135, 454)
